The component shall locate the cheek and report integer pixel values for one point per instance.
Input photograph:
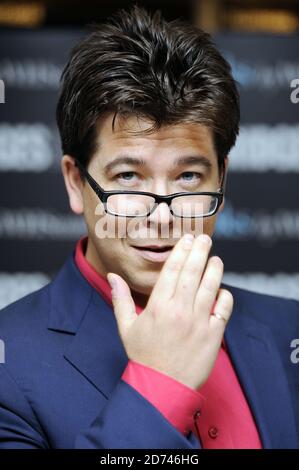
(111, 253)
(198, 226)
(107, 226)
(110, 249)
(92, 212)
(209, 225)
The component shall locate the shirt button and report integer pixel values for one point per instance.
(213, 432)
(197, 414)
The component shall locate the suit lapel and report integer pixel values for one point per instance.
(255, 356)
(97, 351)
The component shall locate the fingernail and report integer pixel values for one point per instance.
(204, 238)
(188, 240)
(113, 284)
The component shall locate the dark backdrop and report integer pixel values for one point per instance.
(257, 233)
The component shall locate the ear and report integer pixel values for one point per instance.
(73, 183)
(224, 175)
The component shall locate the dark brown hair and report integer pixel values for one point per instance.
(138, 63)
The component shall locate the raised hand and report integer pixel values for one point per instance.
(176, 333)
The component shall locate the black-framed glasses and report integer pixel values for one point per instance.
(142, 203)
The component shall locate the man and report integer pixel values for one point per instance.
(170, 357)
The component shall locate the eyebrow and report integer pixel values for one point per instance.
(136, 161)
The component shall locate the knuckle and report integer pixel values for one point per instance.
(209, 283)
(190, 270)
(178, 310)
(213, 274)
(184, 286)
(174, 265)
(200, 305)
(156, 307)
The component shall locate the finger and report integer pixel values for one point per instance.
(166, 283)
(123, 303)
(222, 311)
(209, 287)
(193, 269)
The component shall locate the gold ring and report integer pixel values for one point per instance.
(217, 315)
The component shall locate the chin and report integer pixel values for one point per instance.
(143, 289)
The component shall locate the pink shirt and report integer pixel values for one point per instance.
(218, 414)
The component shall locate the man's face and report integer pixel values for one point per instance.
(162, 172)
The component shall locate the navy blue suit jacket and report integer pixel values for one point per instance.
(60, 385)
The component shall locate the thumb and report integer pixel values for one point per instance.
(123, 303)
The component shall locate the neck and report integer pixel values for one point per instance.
(93, 259)
(140, 299)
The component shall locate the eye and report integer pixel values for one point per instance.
(191, 176)
(126, 175)
(128, 178)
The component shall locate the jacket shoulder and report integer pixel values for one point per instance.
(266, 308)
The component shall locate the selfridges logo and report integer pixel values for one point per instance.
(2, 92)
(295, 91)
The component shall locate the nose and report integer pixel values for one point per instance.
(161, 214)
